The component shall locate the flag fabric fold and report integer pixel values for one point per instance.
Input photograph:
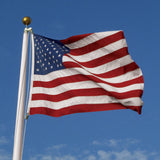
(84, 73)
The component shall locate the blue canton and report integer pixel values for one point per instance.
(48, 55)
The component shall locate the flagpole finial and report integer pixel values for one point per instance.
(26, 21)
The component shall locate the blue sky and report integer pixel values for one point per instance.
(109, 135)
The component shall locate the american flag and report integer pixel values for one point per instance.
(84, 73)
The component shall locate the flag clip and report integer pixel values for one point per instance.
(26, 116)
(28, 30)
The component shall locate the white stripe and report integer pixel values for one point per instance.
(56, 74)
(105, 67)
(85, 100)
(125, 77)
(74, 71)
(100, 52)
(90, 39)
(84, 85)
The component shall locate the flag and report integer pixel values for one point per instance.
(84, 73)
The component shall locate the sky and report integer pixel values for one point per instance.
(108, 135)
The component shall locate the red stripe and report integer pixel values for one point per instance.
(74, 38)
(60, 81)
(127, 83)
(113, 73)
(98, 44)
(81, 108)
(80, 77)
(119, 71)
(86, 92)
(104, 59)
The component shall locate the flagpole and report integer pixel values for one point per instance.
(18, 137)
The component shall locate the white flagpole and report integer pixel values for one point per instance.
(18, 137)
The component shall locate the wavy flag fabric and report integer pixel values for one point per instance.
(84, 73)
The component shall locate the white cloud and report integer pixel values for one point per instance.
(91, 157)
(52, 157)
(125, 155)
(95, 142)
(46, 158)
(113, 143)
(3, 140)
(107, 150)
(66, 157)
(41, 157)
(102, 155)
(4, 155)
(57, 147)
